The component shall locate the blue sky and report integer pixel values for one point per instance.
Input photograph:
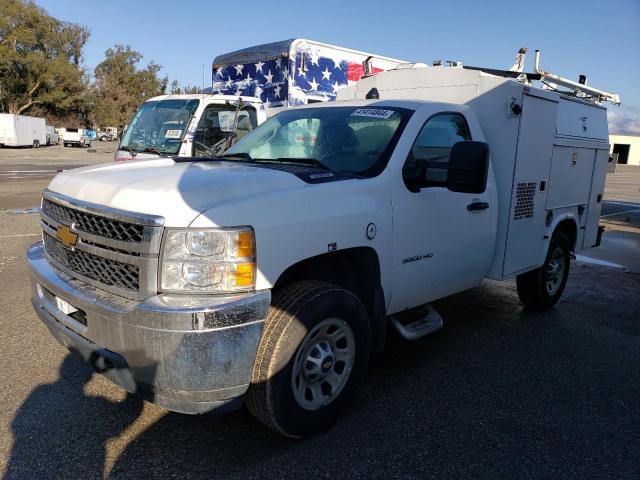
(600, 39)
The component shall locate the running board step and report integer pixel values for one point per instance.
(430, 323)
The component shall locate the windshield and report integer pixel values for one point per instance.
(159, 126)
(342, 139)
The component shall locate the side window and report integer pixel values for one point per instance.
(216, 126)
(435, 140)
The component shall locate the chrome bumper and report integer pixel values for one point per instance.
(189, 354)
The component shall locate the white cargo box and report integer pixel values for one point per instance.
(549, 152)
(22, 131)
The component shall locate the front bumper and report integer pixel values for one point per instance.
(189, 354)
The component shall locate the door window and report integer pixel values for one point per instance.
(435, 140)
(216, 126)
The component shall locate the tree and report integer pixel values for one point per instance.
(40, 60)
(121, 87)
(176, 89)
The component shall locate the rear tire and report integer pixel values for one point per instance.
(312, 356)
(540, 289)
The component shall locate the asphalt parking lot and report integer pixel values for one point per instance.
(498, 393)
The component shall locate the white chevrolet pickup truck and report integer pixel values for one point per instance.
(270, 274)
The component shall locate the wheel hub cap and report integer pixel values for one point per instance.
(323, 363)
(555, 271)
(319, 361)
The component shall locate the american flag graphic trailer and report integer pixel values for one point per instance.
(292, 72)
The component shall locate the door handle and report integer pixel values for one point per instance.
(477, 206)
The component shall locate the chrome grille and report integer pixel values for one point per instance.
(94, 224)
(114, 250)
(104, 270)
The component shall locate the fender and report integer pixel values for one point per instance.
(565, 214)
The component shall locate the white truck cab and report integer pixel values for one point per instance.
(269, 274)
(194, 125)
(257, 81)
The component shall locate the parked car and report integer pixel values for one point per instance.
(76, 137)
(268, 275)
(52, 136)
(22, 131)
(106, 135)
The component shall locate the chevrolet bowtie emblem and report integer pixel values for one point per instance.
(66, 236)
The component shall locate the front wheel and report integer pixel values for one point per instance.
(540, 289)
(312, 356)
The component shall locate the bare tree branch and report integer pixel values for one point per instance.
(24, 107)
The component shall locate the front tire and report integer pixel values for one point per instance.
(540, 289)
(312, 356)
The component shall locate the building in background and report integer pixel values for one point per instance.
(627, 147)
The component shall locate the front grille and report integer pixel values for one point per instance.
(104, 270)
(94, 224)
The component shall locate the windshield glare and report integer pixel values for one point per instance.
(344, 139)
(159, 126)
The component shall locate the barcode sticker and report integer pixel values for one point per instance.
(173, 134)
(372, 113)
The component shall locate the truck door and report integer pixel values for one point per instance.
(442, 242)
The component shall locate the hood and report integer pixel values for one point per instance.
(176, 191)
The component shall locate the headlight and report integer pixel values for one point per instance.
(208, 261)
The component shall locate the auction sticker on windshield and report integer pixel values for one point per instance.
(173, 134)
(372, 113)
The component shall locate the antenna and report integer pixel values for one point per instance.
(202, 90)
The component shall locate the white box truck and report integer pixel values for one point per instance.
(75, 137)
(22, 131)
(263, 78)
(268, 276)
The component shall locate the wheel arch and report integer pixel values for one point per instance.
(355, 269)
(569, 226)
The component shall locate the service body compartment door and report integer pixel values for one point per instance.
(595, 198)
(570, 177)
(527, 213)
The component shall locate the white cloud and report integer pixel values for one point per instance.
(624, 120)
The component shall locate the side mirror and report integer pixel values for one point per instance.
(468, 167)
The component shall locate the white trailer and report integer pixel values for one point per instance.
(22, 131)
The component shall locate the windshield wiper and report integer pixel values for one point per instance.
(154, 150)
(305, 161)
